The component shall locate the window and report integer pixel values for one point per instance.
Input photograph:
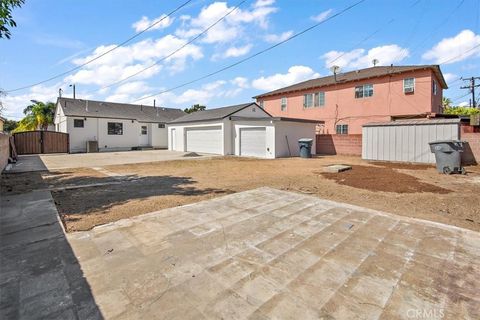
(144, 130)
(364, 91)
(319, 99)
(115, 128)
(434, 87)
(78, 123)
(283, 105)
(261, 104)
(408, 85)
(342, 129)
(161, 125)
(314, 99)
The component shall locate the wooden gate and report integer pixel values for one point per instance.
(31, 142)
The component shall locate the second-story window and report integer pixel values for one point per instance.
(283, 104)
(409, 85)
(434, 87)
(316, 99)
(260, 103)
(364, 91)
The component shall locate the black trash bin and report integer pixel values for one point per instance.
(305, 145)
(448, 156)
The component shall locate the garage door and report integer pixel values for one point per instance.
(204, 139)
(253, 142)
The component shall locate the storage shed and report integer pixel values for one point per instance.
(242, 130)
(406, 140)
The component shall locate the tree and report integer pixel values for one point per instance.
(37, 116)
(9, 125)
(6, 19)
(195, 108)
(462, 111)
(446, 102)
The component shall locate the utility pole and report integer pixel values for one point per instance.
(471, 87)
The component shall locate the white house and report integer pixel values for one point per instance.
(242, 130)
(115, 126)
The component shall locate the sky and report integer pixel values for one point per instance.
(54, 37)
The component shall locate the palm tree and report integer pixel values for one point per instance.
(446, 102)
(37, 116)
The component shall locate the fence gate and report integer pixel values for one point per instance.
(31, 142)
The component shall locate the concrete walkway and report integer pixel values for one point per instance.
(40, 278)
(81, 160)
(269, 254)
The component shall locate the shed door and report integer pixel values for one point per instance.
(253, 142)
(204, 139)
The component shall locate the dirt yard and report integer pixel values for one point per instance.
(88, 197)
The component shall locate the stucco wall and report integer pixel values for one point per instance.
(341, 106)
(293, 131)
(4, 150)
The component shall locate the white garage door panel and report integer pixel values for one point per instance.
(253, 142)
(204, 139)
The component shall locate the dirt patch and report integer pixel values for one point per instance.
(382, 179)
(405, 166)
(86, 197)
(16, 183)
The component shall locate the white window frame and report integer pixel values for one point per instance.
(343, 129)
(312, 100)
(283, 104)
(363, 91)
(412, 86)
(435, 89)
(142, 132)
(260, 103)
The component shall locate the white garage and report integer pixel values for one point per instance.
(253, 142)
(244, 130)
(204, 139)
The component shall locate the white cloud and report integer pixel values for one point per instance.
(359, 58)
(240, 82)
(232, 27)
(455, 49)
(14, 104)
(322, 16)
(450, 77)
(128, 60)
(128, 91)
(233, 52)
(464, 104)
(274, 38)
(161, 22)
(295, 74)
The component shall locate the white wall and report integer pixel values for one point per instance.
(269, 135)
(293, 131)
(158, 136)
(252, 111)
(60, 121)
(180, 134)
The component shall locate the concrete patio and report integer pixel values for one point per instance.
(270, 254)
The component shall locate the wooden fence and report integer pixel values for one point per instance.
(32, 142)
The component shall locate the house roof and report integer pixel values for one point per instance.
(412, 122)
(101, 109)
(356, 75)
(212, 114)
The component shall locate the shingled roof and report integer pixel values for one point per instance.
(212, 114)
(356, 75)
(101, 109)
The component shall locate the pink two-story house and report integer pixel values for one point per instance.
(346, 101)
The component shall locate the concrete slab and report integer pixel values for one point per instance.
(270, 254)
(89, 160)
(336, 168)
(27, 163)
(40, 277)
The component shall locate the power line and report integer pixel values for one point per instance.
(104, 53)
(175, 51)
(253, 55)
(450, 59)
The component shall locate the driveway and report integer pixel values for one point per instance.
(270, 254)
(28, 163)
